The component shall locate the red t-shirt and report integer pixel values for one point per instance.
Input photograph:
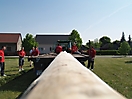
(74, 48)
(22, 53)
(92, 53)
(2, 58)
(58, 49)
(35, 52)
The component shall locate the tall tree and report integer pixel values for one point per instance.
(29, 42)
(123, 37)
(129, 39)
(125, 48)
(75, 37)
(104, 40)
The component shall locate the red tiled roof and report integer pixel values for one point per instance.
(9, 37)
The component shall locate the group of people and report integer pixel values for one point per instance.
(35, 52)
(74, 49)
(21, 53)
(91, 52)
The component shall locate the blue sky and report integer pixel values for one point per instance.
(91, 18)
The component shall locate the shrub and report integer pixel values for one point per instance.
(107, 52)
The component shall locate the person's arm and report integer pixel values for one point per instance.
(76, 48)
(38, 52)
(19, 53)
(0, 55)
(94, 53)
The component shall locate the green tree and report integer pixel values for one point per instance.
(96, 44)
(75, 37)
(28, 42)
(116, 44)
(124, 48)
(104, 40)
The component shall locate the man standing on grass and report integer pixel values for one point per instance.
(2, 61)
(91, 53)
(21, 58)
(31, 62)
(35, 53)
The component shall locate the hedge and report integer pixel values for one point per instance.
(107, 52)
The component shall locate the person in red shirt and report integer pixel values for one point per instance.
(74, 49)
(35, 52)
(21, 58)
(2, 61)
(58, 49)
(91, 52)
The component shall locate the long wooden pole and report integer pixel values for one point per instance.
(67, 78)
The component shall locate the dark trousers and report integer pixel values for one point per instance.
(90, 64)
(21, 61)
(2, 68)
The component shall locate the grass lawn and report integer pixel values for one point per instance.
(116, 72)
(15, 83)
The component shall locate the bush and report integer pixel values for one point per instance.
(107, 52)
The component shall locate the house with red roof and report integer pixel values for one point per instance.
(12, 41)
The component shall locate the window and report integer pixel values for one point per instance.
(41, 49)
(8, 48)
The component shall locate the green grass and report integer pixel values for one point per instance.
(116, 72)
(12, 86)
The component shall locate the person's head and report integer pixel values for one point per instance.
(3, 47)
(74, 43)
(22, 48)
(33, 48)
(91, 47)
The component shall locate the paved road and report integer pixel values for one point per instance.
(13, 56)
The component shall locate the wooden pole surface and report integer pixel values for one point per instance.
(67, 78)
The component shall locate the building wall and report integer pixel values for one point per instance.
(19, 44)
(10, 48)
(44, 48)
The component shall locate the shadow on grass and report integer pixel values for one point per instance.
(20, 83)
(128, 61)
(11, 70)
(117, 57)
